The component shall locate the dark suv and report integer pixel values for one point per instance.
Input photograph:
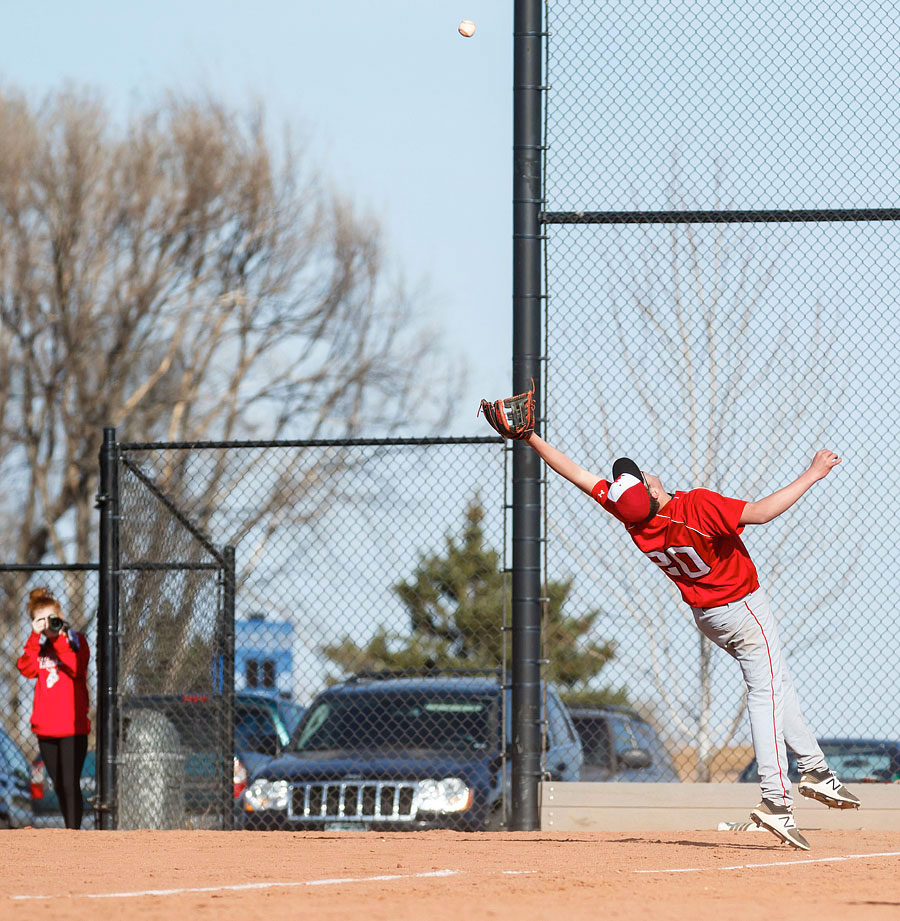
(620, 745)
(400, 752)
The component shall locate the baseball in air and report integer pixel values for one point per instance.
(467, 28)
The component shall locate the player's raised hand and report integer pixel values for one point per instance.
(823, 462)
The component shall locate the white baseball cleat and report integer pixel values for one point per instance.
(780, 821)
(826, 788)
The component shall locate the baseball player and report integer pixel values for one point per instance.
(694, 538)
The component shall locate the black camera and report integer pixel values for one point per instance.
(57, 624)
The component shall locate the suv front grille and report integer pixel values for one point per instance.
(364, 801)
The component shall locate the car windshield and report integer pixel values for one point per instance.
(390, 721)
(291, 714)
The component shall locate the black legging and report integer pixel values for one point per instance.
(63, 759)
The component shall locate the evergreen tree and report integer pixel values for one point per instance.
(455, 602)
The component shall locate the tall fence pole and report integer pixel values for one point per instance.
(226, 638)
(526, 491)
(108, 633)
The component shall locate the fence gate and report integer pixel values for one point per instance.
(249, 577)
(170, 719)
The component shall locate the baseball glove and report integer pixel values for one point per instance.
(513, 417)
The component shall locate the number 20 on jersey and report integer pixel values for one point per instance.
(681, 562)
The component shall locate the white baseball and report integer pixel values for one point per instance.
(467, 28)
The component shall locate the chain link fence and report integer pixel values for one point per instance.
(721, 253)
(175, 654)
(372, 569)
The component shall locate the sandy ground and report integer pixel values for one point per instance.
(447, 876)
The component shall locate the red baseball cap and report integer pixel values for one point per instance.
(628, 498)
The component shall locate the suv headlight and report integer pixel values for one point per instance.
(266, 794)
(448, 795)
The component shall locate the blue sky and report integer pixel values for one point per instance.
(398, 110)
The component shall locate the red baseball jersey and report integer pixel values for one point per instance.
(695, 541)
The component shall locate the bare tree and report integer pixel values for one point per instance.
(723, 388)
(181, 278)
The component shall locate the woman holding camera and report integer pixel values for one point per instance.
(58, 657)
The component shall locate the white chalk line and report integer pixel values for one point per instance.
(345, 880)
(775, 863)
(239, 887)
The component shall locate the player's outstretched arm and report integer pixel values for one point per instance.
(780, 501)
(563, 465)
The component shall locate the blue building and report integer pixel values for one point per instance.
(263, 655)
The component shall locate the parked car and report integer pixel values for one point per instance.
(620, 745)
(396, 751)
(853, 760)
(15, 782)
(262, 728)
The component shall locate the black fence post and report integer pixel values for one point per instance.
(527, 471)
(108, 635)
(227, 641)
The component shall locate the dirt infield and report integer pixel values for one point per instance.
(447, 876)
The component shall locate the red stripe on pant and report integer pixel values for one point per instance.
(772, 674)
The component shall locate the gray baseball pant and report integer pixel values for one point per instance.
(746, 630)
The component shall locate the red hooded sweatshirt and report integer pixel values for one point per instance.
(60, 696)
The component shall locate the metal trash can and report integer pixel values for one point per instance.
(151, 773)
